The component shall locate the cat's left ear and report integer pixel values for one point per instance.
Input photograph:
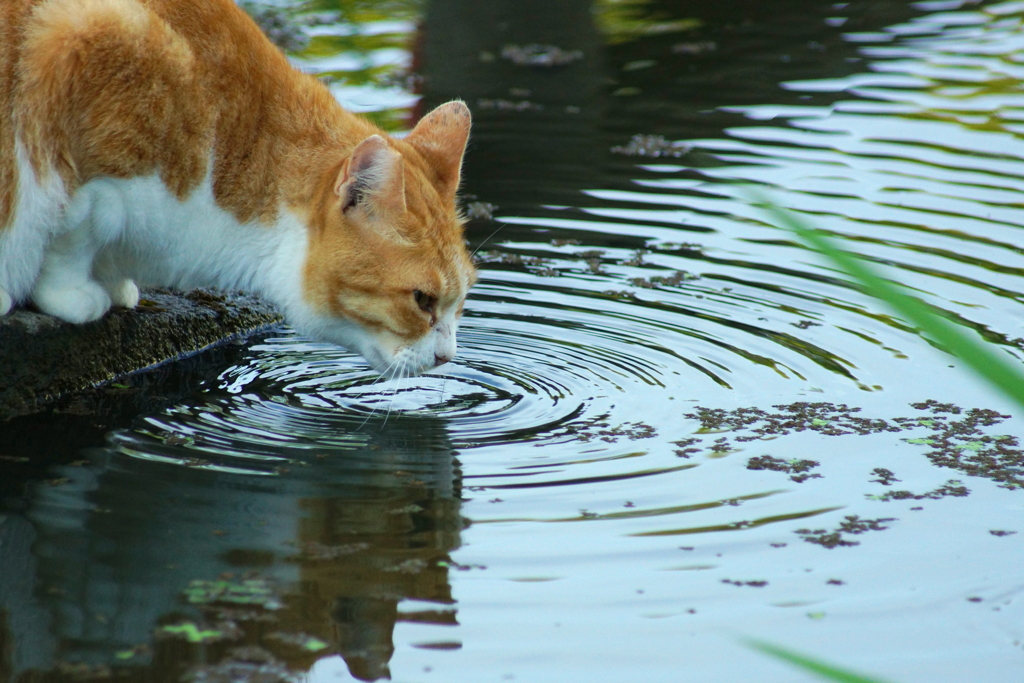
(441, 137)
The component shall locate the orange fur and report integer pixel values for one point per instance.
(192, 91)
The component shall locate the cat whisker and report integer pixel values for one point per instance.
(444, 382)
(486, 240)
(382, 376)
(401, 375)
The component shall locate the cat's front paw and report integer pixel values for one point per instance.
(81, 303)
(6, 302)
(123, 293)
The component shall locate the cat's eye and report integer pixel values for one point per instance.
(424, 301)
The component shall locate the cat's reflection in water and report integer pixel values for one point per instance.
(392, 542)
(343, 537)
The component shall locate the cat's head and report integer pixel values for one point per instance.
(387, 268)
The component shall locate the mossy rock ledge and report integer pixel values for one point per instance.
(43, 358)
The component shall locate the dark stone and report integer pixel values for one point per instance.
(43, 358)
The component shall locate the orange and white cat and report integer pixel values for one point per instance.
(168, 142)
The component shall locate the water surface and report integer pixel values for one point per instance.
(670, 426)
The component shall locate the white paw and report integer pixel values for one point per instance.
(123, 293)
(82, 303)
(5, 302)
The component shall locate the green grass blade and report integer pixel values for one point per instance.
(827, 671)
(996, 368)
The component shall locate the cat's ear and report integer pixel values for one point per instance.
(441, 137)
(372, 180)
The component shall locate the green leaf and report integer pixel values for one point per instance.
(823, 669)
(996, 368)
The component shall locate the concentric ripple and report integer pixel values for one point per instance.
(542, 380)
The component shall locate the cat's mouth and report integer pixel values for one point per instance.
(387, 354)
(407, 361)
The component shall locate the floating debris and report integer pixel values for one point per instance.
(481, 210)
(509, 105)
(600, 429)
(506, 258)
(685, 247)
(962, 445)
(799, 469)
(245, 591)
(826, 418)
(539, 55)
(674, 280)
(754, 584)
(885, 477)
(320, 552)
(685, 449)
(953, 487)
(853, 524)
(652, 146)
(638, 258)
(959, 444)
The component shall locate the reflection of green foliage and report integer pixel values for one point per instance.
(367, 76)
(326, 46)
(388, 119)
(624, 20)
(826, 671)
(353, 28)
(362, 11)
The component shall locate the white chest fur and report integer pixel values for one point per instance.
(113, 233)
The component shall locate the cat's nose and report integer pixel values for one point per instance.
(441, 359)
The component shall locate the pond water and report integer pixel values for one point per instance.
(670, 429)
